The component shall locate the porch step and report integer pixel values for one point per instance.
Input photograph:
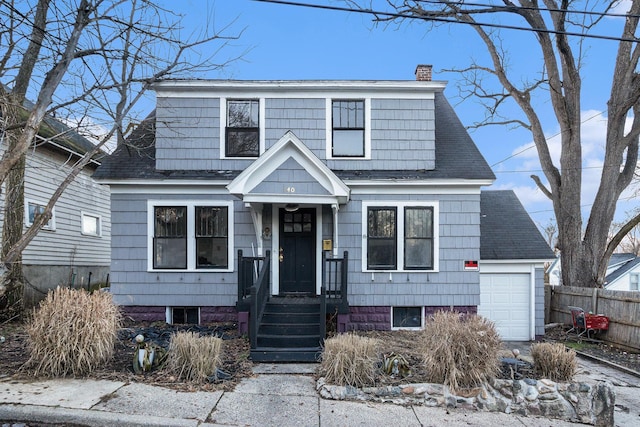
(288, 341)
(289, 331)
(266, 354)
(290, 328)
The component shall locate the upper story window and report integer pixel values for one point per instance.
(190, 236)
(33, 210)
(348, 124)
(91, 224)
(243, 128)
(400, 236)
(633, 281)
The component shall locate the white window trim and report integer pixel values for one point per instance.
(191, 234)
(422, 318)
(223, 127)
(637, 282)
(99, 225)
(400, 233)
(329, 128)
(169, 312)
(50, 226)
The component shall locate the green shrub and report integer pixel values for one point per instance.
(554, 361)
(460, 350)
(193, 357)
(71, 332)
(350, 359)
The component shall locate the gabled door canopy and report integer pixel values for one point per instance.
(289, 147)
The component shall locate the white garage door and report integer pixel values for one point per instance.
(505, 299)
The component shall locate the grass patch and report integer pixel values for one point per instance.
(554, 361)
(460, 350)
(350, 359)
(71, 332)
(194, 358)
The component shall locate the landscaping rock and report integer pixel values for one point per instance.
(575, 402)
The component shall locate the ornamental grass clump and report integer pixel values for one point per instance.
(460, 350)
(554, 361)
(193, 357)
(350, 359)
(71, 333)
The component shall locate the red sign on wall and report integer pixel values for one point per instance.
(471, 265)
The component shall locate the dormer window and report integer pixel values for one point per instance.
(243, 128)
(348, 136)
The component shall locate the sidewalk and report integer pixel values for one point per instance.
(277, 395)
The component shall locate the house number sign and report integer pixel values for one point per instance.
(290, 189)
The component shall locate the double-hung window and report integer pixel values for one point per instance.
(243, 128)
(418, 238)
(348, 128)
(381, 238)
(170, 237)
(633, 281)
(33, 210)
(212, 238)
(190, 236)
(400, 237)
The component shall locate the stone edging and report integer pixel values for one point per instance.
(576, 402)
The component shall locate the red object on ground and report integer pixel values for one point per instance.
(596, 322)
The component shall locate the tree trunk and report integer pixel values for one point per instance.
(12, 301)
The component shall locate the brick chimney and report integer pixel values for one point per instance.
(423, 73)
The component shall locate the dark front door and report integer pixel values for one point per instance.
(297, 251)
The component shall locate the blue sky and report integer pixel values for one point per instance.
(285, 42)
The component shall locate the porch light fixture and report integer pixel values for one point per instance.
(291, 207)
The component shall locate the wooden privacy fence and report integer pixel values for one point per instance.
(621, 307)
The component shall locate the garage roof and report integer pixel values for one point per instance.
(507, 231)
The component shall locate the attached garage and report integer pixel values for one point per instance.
(512, 258)
(505, 299)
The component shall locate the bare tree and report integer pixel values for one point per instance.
(630, 243)
(560, 29)
(90, 61)
(550, 230)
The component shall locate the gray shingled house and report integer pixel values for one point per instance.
(279, 204)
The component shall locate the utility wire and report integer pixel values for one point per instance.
(547, 139)
(447, 20)
(539, 9)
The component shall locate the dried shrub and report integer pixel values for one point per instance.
(350, 359)
(460, 350)
(554, 361)
(194, 358)
(71, 332)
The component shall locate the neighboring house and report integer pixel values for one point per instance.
(74, 248)
(512, 254)
(367, 192)
(623, 272)
(624, 275)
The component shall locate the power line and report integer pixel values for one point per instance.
(447, 20)
(540, 9)
(598, 114)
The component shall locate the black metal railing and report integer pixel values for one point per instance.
(259, 294)
(334, 281)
